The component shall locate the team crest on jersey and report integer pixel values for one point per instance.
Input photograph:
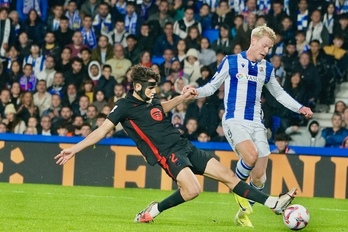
(156, 114)
(240, 75)
(243, 65)
(261, 69)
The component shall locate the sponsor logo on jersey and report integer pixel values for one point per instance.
(248, 77)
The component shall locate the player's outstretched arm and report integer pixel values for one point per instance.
(169, 105)
(90, 140)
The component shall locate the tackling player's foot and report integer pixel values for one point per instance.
(283, 201)
(241, 219)
(243, 204)
(144, 216)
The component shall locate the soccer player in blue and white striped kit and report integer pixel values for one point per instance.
(243, 76)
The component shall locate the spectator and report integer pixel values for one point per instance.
(50, 47)
(91, 116)
(345, 143)
(33, 122)
(223, 15)
(48, 73)
(106, 82)
(87, 88)
(237, 23)
(119, 63)
(191, 127)
(24, 45)
(301, 44)
(27, 108)
(310, 78)
(62, 130)
(132, 20)
(206, 114)
(86, 55)
(103, 20)
(345, 118)
(302, 18)
(165, 67)
(88, 34)
(220, 135)
(132, 52)
(65, 120)
(181, 26)
(203, 137)
(77, 45)
(34, 27)
(176, 71)
(64, 63)
(342, 29)
(278, 47)
(53, 111)
(193, 38)
(276, 16)
(205, 76)
(244, 32)
(147, 8)
(295, 88)
(282, 142)
(316, 29)
(57, 86)
(100, 120)
(181, 49)
(45, 126)
(119, 34)
(15, 94)
(99, 101)
(224, 42)
(64, 33)
(75, 75)
(335, 135)
(14, 124)
(15, 73)
(90, 7)
(287, 30)
(78, 122)
(71, 97)
(3, 128)
(94, 72)
(220, 54)
(205, 17)
(73, 15)
(14, 16)
(28, 80)
(145, 59)
(166, 41)
(330, 19)
(309, 137)
(5, 99)
(86, 129)
(192, 67)
(35, 59)
(145, 38)
(53, 21)
(324, 66)
(12, 55)
(339, 107)
(207, 55)
(250, 9)
(42, 98)
(25, 7)
(104, 50)
(5, 25)
(278, 69)
(162, 17)
(290, 58)
(166, 90)
(119, 92)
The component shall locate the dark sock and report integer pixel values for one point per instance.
(171, 201)
(244, 190)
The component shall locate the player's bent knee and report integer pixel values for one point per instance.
(190, 193)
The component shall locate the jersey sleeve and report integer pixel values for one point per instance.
(118, 113)
(216, 81)
(281, 95)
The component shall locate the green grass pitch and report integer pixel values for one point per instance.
(29, 207)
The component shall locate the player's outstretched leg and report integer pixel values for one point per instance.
(189, 188)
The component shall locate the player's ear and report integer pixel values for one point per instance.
(137, 86)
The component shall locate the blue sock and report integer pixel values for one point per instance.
(243, 170)
(258, 188)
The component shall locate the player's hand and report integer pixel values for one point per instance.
(307, 112)
(187, 87)
(64, 156)
(190, 93)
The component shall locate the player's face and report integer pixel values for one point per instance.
(261, 47)
(151, 90)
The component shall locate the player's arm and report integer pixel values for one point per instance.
(285, 99)
(216, 81)
(169, 105)
(90, 140)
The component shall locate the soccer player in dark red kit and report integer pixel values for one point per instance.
(142, 116)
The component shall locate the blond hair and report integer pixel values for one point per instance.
(262, 31)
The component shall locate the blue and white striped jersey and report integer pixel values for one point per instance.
(243, 86)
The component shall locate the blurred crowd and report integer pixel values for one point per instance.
(66, 62)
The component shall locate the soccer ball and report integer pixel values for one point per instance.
(296, 217)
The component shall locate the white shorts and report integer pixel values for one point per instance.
(239, 131)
